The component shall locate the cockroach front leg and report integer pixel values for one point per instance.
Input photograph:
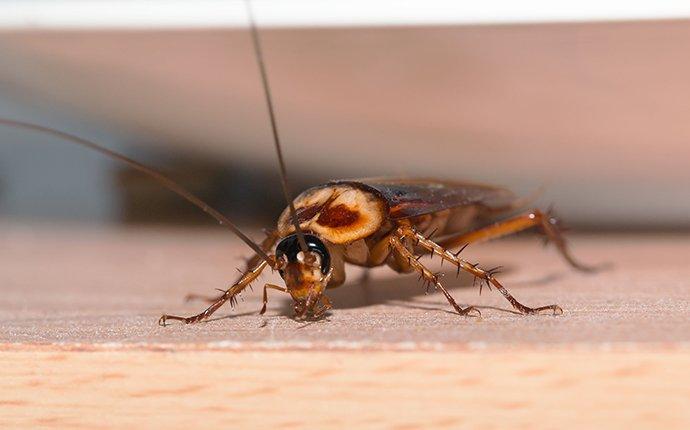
(229, 295)
(534, 218)
(270, 240)
(266, 287)
(487, 276)
(323, 305)
(326, 305)
(397, 246)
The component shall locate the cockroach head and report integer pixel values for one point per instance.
(306, 274)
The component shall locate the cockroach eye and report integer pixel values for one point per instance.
(395, 208)
(289, 248)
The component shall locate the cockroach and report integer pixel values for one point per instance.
(363, 222)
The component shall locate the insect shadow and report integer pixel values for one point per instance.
(392, 219)
(398, 291)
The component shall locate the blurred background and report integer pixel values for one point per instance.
(593, 104)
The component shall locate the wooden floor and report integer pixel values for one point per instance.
(365, 389)
(80, 347)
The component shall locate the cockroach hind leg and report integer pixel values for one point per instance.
(549, 224)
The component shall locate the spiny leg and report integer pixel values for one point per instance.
(191, 297)
(326, 305)
(399, 247)
(486, 275)
(266, 245)
(534, 218)
(229, 295)
(266, 287)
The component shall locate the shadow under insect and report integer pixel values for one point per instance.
(404, 291)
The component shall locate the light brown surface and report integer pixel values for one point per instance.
(321, 390)
(96, 286)
(81, 346)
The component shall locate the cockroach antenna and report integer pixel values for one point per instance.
(390, 216)
(150, 171)
(256, 41)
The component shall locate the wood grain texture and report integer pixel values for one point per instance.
(46, 388)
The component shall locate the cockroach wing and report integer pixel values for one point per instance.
(408, 198)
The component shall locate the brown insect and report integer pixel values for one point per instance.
(372, 222)
(367, 222)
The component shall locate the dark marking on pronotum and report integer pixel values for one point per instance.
(389, 215)
(338, 216)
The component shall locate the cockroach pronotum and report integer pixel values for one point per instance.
(364, 222)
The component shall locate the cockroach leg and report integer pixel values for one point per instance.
(267, 244)
(313, 308)
(487, 276)
(534, 218)
(229, 295)
(325, 307)
(379, 252)
(428, 276)
(326, 304)
(266, 287)
(202, 297)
